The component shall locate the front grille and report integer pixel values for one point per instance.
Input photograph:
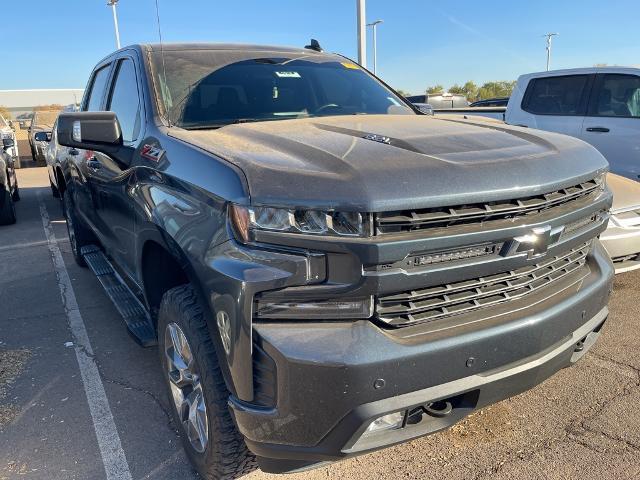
(433, 303)
(410, 220)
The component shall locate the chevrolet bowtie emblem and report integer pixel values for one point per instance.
(536, 243)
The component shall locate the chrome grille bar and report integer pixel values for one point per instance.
(410, 220)
(424, 305)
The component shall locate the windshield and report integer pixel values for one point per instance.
(213, 88)
(3, 122)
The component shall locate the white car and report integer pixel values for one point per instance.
(621, 239)
(600, 105)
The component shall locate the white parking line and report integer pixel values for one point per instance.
(113, 457)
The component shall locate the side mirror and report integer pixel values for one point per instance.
(99, 131)
(42, 136)
(7, 143)
(10, 122)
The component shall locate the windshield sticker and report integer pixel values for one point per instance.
(288, 74)
(350, 65)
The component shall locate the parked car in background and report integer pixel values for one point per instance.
(600, 105)
(491, 102)
(9, 191)
(443, 100)
(42, 121)
(53, 154)
(326, 271)
(622, 237)
(8, 133)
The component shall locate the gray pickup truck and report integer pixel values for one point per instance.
(325, 270)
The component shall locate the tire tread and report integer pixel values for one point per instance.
(230, 458)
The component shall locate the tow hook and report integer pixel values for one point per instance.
(439, 409)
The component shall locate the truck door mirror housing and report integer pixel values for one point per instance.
(99, 131)
(7, 143)
(42, 136)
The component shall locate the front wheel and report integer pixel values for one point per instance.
(197, 390)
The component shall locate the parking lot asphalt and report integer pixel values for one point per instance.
(581, 423)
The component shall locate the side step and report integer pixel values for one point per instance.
(139, 324)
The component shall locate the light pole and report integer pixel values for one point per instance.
(362, 34)
(112, 4)
(374, 26)
(549, 36)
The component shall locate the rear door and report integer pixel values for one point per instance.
(556, 103)
(612, 124)
(80, 160)
(110, 178)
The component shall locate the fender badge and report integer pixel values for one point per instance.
(151, 152)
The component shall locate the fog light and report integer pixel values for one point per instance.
(392, 421)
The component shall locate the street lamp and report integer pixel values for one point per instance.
(549, 36)
(361, 7)
(112, 4)
(374, 26)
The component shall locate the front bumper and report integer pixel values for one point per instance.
(329, 375)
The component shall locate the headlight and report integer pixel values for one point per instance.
(601, 181)
(310, 222)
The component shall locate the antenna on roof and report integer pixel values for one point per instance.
(315, 45)
(163, 87)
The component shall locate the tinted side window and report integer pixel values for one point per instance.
(618, 96)
(97, 89)
(555, 95)
(125, 101)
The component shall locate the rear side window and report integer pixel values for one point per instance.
(617, 96)
(97, 89)
(555, 95)
(125, 101)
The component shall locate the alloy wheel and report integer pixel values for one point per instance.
(186, 387)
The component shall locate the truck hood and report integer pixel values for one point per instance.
(390, 162)
(626, 192)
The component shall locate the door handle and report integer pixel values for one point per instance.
(73, 152)
(94, 164)
(598, 129)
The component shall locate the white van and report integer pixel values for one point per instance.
(599, 105)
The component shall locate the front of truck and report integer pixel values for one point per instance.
(389, 272)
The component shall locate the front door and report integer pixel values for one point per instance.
(110, 179)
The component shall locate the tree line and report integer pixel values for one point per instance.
(474, 92)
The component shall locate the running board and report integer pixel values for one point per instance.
(139, 324)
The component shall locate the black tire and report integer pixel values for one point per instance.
(8, 209)
(79, 234)
(16, 194)
(226, 455)
(54, 190)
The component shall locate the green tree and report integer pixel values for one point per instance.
(435, 89)
(404, 93)
(496, 89)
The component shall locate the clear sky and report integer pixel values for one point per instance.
(54, 44)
